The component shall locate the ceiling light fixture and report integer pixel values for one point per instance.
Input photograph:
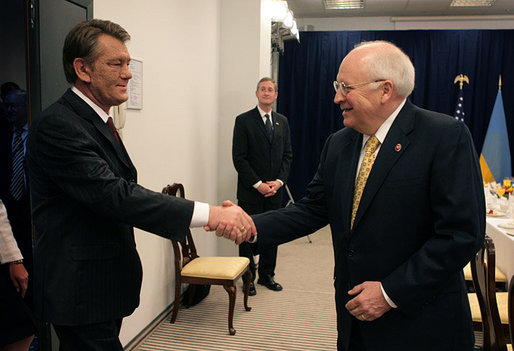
(343, 4)
(470, 3)
(283, 25)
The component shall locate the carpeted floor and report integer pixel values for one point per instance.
(300, 317)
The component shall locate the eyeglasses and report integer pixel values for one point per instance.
(345, 89)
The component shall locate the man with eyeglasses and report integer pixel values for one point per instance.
(402, 191)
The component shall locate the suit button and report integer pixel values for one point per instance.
(351, 253)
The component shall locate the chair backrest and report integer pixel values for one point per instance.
(483, 272)
(188, 252)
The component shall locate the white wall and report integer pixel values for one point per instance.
(404, 23)
(174, 137)
(245, 44)
(201, 61)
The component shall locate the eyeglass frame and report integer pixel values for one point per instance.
(342, 86)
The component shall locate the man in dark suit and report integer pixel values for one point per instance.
(86, 199)
(13, 178)
(399, 252)
(261, 152)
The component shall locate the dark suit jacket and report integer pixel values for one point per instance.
(85, 204)
(256, 156)
(421, 219)
(17, 210)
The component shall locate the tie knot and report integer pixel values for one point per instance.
(372, 144)
(19, 131)
(110, 123)
(267, 116)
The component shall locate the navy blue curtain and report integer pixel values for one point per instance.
(307, 70)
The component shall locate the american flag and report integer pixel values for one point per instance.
(459, 107)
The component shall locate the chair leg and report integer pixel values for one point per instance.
(247, 280)
(176, 304)
(231, 289)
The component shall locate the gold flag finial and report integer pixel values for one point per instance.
(461, 78)
(500, 83)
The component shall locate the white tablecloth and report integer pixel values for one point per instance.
(503, 243)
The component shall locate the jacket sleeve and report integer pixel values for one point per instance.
(240, 154)
(458, 217)
(287, 156)
(69, 163)
(9, 250)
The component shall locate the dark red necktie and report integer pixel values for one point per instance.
(113, 130)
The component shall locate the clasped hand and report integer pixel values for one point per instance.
(231, 222)
(369, 302)
(269, 188)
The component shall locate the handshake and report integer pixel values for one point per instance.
(231, 222)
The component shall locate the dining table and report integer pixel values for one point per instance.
(501, 230)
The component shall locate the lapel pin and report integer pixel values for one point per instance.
(398, 147)
(277, 124)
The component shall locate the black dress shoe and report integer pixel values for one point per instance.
(252, 291)
(270, 283)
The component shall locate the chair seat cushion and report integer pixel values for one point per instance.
(216, 267)
(498, 275)
(476, 315)
(502, 300)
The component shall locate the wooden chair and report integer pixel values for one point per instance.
(510, 309)
(484, 300)
(500, 278)
(192, 269)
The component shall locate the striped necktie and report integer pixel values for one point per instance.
(17, 186)
(367, 163)
(269, 127)
(110, 123)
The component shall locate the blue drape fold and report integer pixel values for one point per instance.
(307, 70)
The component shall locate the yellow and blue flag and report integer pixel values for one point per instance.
(495, 159)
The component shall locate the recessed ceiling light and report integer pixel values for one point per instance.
(463, 3)
(343, 4)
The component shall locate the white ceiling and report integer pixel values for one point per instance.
(314, 8)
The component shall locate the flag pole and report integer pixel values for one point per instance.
(461, 78)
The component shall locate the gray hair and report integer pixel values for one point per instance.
(82, 42)
(390, 62)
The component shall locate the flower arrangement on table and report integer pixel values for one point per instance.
(497, 197)
(505, 190)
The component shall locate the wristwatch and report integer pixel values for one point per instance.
(17, 262)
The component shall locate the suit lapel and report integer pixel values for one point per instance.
(394, 146)
(351, 152)
(277, 129)
(260, 125)
(85, 111)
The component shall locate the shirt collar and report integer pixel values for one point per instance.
(101, 113)
(261, 111)
(382, 131)
(25, 128)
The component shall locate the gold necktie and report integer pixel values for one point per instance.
(367, 163)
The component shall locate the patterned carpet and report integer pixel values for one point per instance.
(301, 317)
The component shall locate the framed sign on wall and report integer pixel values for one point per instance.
(135, 85)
